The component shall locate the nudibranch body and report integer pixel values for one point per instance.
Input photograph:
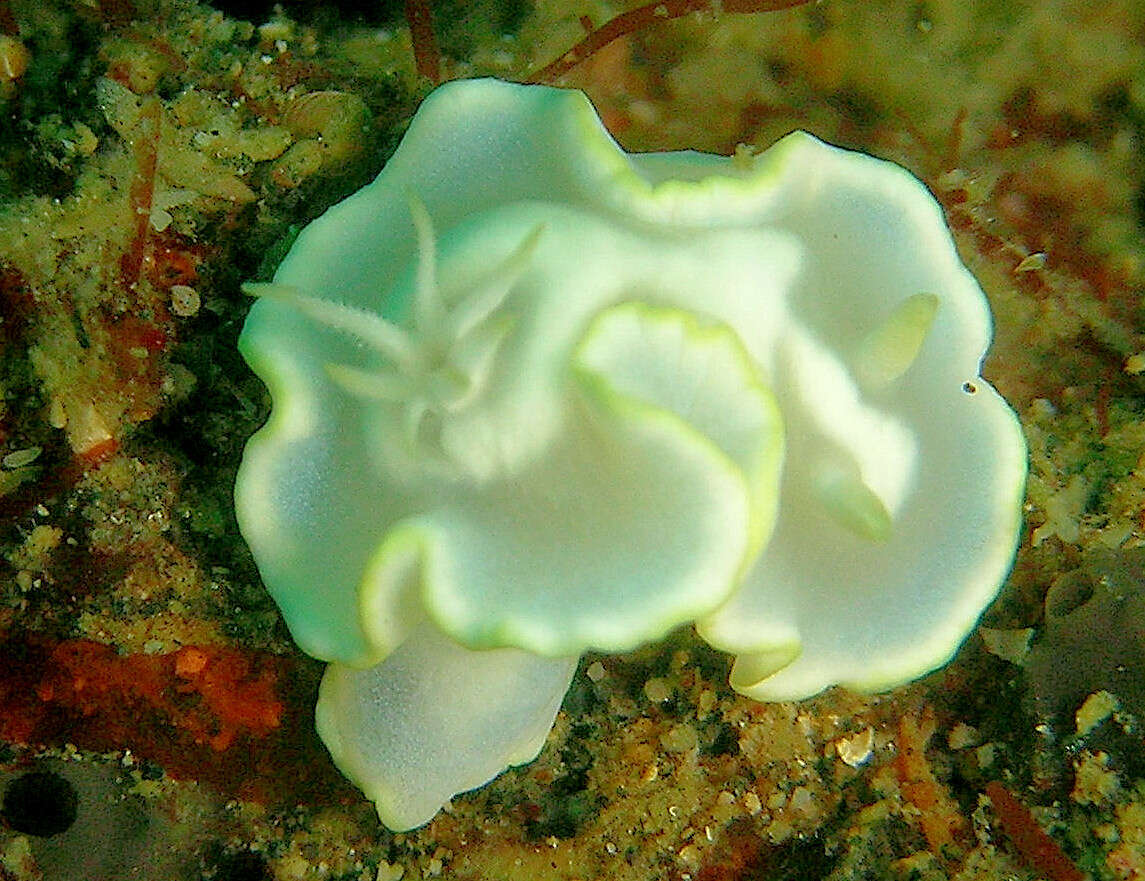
(534, 395)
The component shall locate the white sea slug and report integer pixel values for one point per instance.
(534, 395)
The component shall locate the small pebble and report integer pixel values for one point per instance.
(14, 58)
(20, 458)
(657, 690)
(184, 301)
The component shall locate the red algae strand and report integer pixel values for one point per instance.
(1039, 851)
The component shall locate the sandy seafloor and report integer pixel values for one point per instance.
(155, 154)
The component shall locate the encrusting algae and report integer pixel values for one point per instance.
(152, 148)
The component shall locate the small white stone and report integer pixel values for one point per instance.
(856, 749)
